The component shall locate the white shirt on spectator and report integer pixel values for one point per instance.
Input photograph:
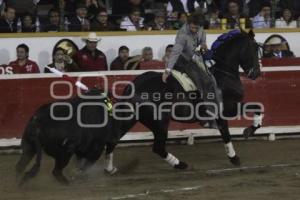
(260, 22)
(184, 3)
(281, 23)
(129, 26)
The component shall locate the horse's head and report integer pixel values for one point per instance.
(237, 48)
(250, 55)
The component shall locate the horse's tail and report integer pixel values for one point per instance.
(31, 147)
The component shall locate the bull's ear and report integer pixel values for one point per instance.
(251, 34)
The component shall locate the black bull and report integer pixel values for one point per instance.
(57, 129)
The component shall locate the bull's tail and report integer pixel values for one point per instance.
(31, 147)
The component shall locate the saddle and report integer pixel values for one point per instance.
(185, 81)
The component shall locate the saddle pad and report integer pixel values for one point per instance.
(186, 83)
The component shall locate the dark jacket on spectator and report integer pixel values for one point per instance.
(97, 26)
(6, 28)
(123, 7)
(118, 64)
(255, 6)
(22, 6)
(47, 26)
(51, 28)
(28, 29)
(292, 5)
(87, 62)
(154, 26)
(222, 5)
(75, 24)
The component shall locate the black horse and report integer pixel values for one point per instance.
(152, 102)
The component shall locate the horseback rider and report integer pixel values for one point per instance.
(186, 58)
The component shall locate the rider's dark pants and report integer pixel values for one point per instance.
(203, 80)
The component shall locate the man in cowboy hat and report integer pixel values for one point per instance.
(276, 48)
(89, 58)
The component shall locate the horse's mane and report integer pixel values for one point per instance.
(221, 44)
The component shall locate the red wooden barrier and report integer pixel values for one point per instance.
(278, 89)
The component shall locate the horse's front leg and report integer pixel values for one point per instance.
(109, 159)
(257, 119)
(224, 130)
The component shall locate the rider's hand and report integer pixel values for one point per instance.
(165, 76)
(204, 47)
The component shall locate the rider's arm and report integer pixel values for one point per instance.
(203, 39)
(176, 51)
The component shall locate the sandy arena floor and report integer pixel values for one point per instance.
(270, 171)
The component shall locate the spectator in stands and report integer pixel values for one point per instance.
(159, 22)
(147, 61)
(23, 65)
(79, 21)
(234, 16)
(24, 6)
(27, 24)
(93, 7)
(223, 5)
(286, 20)
(101, 23)
(53, 23)
(136, 62)
(292, 5)
(8, 23)
(124, 7)
(133, 63)
(263, 18)
(133, 22)
(181, 19)
(255, 6)
(89, 58)
(2, 5)
(119, 62)
(181, 6)
(276, 49)
(144, 61)
(168, 52)
(213, 19)
(147, 54)
(68, 6)
(62, 62)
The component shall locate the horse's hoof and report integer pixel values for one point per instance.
(112, 171)
(181, 166)
(235, 161)
(63, 181)
(248, 132)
